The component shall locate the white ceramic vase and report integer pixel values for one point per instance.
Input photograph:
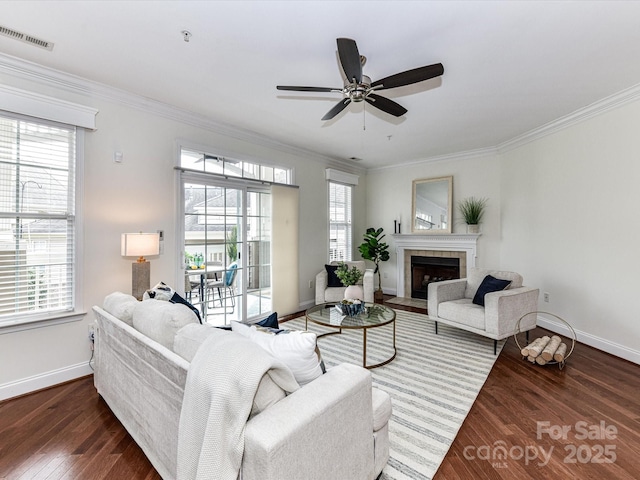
(354, 291)
(473, 228)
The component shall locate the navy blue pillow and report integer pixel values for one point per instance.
(332, 278)
(488, 285)
(270, 322)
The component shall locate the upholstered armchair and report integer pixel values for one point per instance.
(327, 293)
(465, 303)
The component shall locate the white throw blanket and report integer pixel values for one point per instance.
(221, 384)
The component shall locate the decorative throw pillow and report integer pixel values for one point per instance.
(298, 350)
(488, 285)
(162, 291)
(332, 278)
(271, 321)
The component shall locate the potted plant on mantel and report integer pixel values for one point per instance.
(472, 209)
(377, 251)
(349, 278)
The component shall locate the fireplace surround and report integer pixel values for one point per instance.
(457, 246)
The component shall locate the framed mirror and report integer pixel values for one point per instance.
(431, 209)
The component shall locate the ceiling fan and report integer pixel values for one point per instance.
(359, 87)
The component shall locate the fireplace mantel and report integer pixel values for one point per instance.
(455, 242)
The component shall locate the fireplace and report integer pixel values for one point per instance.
(425, 270)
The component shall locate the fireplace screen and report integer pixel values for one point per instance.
(425, 270)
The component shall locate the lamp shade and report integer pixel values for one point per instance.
(139, 244)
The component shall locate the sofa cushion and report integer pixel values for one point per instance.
(186, 344)
(463, 311)
(162, 291)
(296, 349)
(475, 276)
(332, 278)
(488, 285)
(160, 320)
(381, 402)
(189, 338)
(267, 394)
(121, 306)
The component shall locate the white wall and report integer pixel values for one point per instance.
(140, 194)
(569, 209)
(389, 197)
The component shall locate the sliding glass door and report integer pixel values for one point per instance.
(227, 232)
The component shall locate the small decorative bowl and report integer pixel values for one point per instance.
(350, 309)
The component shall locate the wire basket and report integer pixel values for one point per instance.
(573, 337)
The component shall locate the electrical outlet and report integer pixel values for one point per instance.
(545, 296)
(92, 334)
(310, 283)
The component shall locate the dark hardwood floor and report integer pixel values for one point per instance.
(68, 432)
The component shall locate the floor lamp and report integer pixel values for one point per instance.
(139, 245)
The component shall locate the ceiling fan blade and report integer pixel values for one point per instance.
(308, 89)
(409, 77)
(341, 105)
(386, 105)
(350, 59)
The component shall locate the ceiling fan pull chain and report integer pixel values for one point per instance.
(364, 117)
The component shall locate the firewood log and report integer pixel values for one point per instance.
(537, 349)
(531, 359)
(540, 360)
(551, 348)
(560, 353)
(525, 350)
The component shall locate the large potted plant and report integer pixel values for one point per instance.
(472, 210)
(374, 249)
(349, 278)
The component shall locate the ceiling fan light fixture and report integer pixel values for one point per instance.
(358, 87)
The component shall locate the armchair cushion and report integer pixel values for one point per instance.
(463, 311)
(332, 278)
(488, 285)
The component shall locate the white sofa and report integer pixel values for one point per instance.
(451, 302)
(335, 426)
(326, 294)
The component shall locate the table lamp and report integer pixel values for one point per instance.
(139, 245)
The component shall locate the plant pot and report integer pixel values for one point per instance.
(354, 291)
(378, 296)
(473, 228)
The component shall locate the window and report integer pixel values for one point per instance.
(339, 222)
(37, 219)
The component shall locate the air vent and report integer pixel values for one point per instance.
(23, 37)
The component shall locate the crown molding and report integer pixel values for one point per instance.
(611, 102)
(466, 155)
(39, 74)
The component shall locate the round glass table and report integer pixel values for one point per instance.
(374, 316)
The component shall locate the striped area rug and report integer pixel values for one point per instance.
(433, 381)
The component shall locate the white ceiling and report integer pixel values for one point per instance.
(510, 67)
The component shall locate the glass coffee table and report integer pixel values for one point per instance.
(374, 316)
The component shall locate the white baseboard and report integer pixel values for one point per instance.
(44, 380)
(591, 340)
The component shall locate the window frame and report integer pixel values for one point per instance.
(31, 320)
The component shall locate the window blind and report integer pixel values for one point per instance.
(37, 217)
(339, 222)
